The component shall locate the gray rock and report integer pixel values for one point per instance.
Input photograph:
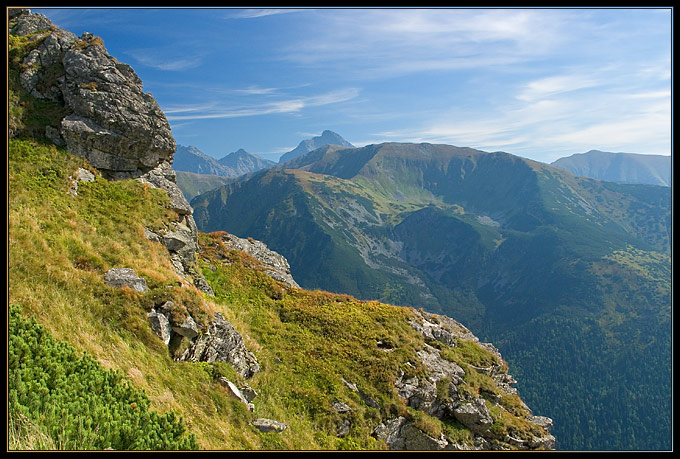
(125, 277)
(113, 123)
(278, 267)
(222, 343)
(389, 432)
(269, 425)
(234, 391)
(248, 392)
(150, 235)
(400, 434)
(80, 175)
(343, 428)
(474, 415)
(542, 421)
(341, 407)
(160, 325)
(188, 328)
(417, 440)
(28, 22)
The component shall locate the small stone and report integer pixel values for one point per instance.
(125, 277)
(269, 425)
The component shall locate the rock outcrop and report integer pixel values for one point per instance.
(219, 341)
(276, 265)
(222, 343)
(110, 121)
(438, 392)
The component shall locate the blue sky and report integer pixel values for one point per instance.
(537, 83)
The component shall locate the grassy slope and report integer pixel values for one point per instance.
(194, 184)
(61, 245)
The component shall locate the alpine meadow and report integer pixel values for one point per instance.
(399, 292)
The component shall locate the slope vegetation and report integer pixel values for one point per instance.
(389, 377)
(529, 256)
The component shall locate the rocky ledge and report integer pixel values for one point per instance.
(441, 393)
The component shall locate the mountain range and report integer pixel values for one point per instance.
(191, 159)
(327, 137)
(128, 329)
(619, 167)
(569, 276)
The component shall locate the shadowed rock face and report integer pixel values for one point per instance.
(113, 123)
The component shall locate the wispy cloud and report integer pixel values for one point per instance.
(163, 59)
(256, 90)
(258, 13)
(290, 105)
(380, 42)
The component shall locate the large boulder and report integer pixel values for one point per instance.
(222, 343)
(112, 122)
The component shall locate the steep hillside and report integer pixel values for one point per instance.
(127, 329)
(194, 184)
(619, 167)
(391, 377)
(326, 138)
(198, 172)
(523, 253)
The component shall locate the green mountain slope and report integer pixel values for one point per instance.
(330, 393)
(511, 247)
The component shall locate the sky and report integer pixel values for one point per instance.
(539, 83)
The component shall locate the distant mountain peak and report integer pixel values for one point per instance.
(327, 137)
(619, 167)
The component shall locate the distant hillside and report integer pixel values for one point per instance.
(191, 159)
(198, 172)
(570, 276)
(242, 162)
(326, 138)
(192, 184)
(619, 167)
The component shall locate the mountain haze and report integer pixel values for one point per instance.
(326, 138)
(527, 255)
(619, 167)
(198, 172)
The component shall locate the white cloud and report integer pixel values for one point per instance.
(163, 59)
(258, 13)
(291, 105)
(554, 85)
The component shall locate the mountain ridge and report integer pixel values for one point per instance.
(619, 167)
(510, 246)
(327, 137)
